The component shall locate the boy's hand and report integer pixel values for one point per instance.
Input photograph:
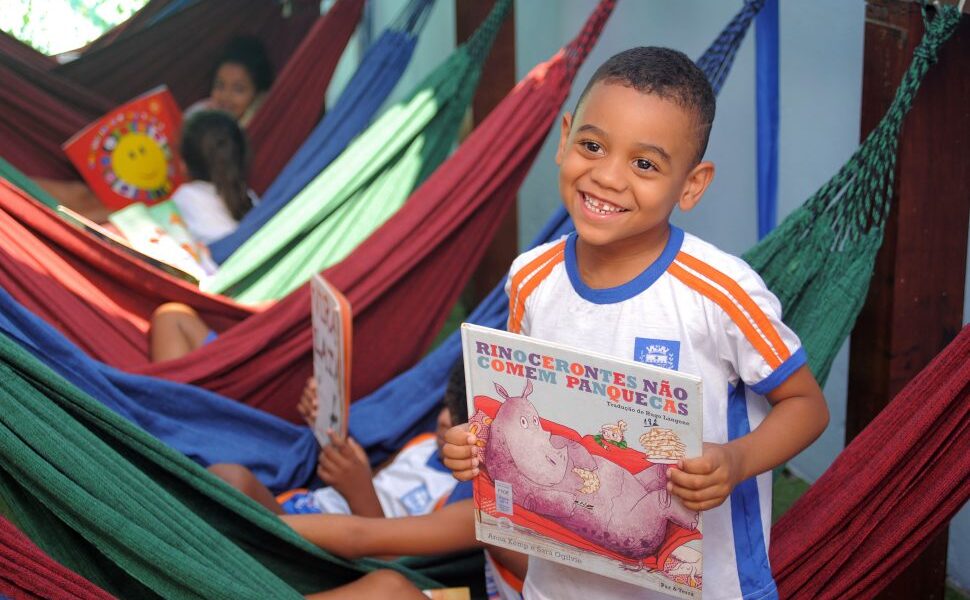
(706, 481)
(459, 452)
(344, 465)
(307, 406)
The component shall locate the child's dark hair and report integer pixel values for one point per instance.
(249, 52)
(214, 149)
(666, 73)
(454, 399)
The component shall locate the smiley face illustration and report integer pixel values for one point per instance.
(135, 158)
(140, 161)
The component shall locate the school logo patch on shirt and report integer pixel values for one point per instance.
(659, 353)
(417, 500)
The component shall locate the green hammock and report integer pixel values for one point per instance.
(365, 185)
(19, 179)
(819, 261)
(132, 515)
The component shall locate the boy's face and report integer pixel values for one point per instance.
(626, 159)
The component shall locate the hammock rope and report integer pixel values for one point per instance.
(717, 60)
(820, 259)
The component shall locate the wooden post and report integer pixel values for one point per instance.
(498, 78)
(915, 303)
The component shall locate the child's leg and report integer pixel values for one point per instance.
(376, 584)
(243, 480)
(176, 330)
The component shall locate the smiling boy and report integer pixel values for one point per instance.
(630, 284)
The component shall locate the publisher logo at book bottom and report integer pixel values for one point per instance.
(658, 353)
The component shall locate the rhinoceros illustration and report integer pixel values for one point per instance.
(559, 479)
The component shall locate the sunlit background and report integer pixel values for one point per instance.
(55, 26)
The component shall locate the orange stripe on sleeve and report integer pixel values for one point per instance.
(729, 307)
(516, 316)
(531, 267)
(760, 318)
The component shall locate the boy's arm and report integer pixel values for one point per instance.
(798, 416)
(450, 529)
(343, 464)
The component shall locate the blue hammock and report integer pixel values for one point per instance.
(206, 427)
(378, 73)
(414, 397)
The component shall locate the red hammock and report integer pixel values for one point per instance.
(26, 573)
(63, 92)
(180, 50)
(12, 47)
(887, 494)
(296, 102)
(99, 297)
(33, 124)
(401, 281)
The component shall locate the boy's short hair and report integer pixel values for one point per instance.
(666, 73)
(454, 399)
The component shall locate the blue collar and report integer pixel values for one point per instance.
(631, 288)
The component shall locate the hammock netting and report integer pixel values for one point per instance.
(178, 51)
(887, 495)
(820, 259)
(296, 101)
(375, 77)
(365, 185)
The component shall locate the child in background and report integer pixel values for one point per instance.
(450, 527)
(242, 76)
(414, 483)
(627, 279)
(215, 153)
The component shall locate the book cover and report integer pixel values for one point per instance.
(122, 244)
(131, 153)
(332, 328)
(574, 448)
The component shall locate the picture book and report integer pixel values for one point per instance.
(332, 322)
(122, 244)
(130, 154)
(574, 449)
(158, 231)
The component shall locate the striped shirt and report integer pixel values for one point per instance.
(697, 310)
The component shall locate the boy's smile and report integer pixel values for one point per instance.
(627, 158)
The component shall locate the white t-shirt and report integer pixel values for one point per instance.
(205, 214)
(697, 310)
(411, 485)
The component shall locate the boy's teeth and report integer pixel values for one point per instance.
(598, 206)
